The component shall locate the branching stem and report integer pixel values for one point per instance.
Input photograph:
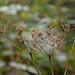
(28, 51)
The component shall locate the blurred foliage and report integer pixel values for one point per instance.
(35, 12)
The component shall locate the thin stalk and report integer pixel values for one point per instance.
(32, 58)
(28, 51)
(12, 43)
(51, 65)
(69, 58)
(34, 64)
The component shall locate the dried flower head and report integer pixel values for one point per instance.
(65, 26)
(43, 38)
(21, 27)
(2, 28)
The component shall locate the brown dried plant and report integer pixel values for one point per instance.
(2, 28)
(43, 38)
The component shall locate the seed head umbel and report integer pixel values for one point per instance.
(43, 38)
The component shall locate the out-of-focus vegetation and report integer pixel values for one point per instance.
(34, 12)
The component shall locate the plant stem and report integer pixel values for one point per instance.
(30, 53)
(34, 64)
(51, 65)
(69, 58)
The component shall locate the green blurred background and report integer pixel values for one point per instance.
(34, 12)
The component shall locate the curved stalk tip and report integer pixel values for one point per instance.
(69, 58)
